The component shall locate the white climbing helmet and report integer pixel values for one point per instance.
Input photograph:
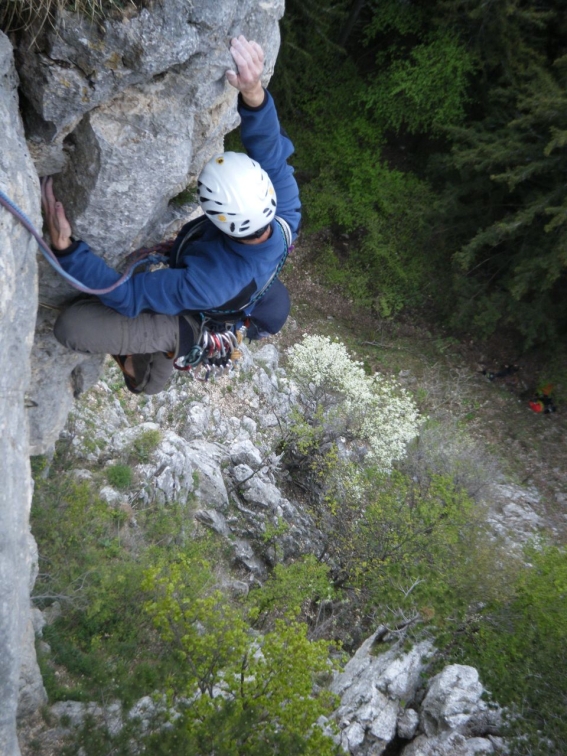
(236, 194)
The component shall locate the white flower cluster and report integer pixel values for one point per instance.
(373, 409)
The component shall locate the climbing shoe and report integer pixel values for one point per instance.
(129, 379)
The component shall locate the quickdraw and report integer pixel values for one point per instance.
(214, 352)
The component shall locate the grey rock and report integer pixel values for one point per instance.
(243, 452)
(448, 744)
(210, 488)
(237, 588)
(244, 555)
(18, 303)
(198, 419)
(213, 520)
(268, 357)
(402, 676)
(513, 513)
(110, 495)
(37, 620)
(352, 737)
(58, 377)
(125, 111)
(52, 612)
(242, 472)
(261, 493)
(453, 697)
(72, 714)
(248, 425)
(32, 694)
(407, 724)
(370, 687)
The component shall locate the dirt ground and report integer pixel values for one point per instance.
(445, 376)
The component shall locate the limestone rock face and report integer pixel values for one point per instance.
(125, 112)
(18, 297)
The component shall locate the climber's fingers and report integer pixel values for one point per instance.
(57, 223)
(47, 196)
(249, 59)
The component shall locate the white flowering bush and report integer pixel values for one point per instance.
(339, 397)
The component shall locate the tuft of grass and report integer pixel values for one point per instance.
(21, 15)
(145, 444)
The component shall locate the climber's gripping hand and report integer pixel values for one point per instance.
(249, 60)
(57, 224)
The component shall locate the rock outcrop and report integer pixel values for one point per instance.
(18, 297)
(384, 700)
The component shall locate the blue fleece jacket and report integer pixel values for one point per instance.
(217, 267)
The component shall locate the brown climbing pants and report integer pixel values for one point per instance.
(91, 327)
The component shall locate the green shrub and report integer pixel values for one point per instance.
(267, 702)
(291, 589)
(425, 90)
(519, 649)
(410, 550)
(119, 476)
(145, 444)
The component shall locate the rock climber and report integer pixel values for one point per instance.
(153, 317)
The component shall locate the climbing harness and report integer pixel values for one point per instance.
(217, 347)
(195, 229)
(141, 256)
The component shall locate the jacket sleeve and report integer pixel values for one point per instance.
(266, 142)
(168, 291)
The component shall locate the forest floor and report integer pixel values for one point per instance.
(445, 376)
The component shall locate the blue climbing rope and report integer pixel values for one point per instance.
(144, 255)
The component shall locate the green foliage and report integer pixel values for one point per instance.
(425, 91)
(145, 444)
(349, 186)
(409, 549)
(519, 648)
(248, 692)
(504, 192)
(102, 638)
(434, 156)
(291, 589)
(153, 621)
(119, 476)
(188, 196)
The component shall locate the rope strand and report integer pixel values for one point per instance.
(146, 256)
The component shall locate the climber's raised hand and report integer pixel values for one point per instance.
(249, 60)
(57, 224)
